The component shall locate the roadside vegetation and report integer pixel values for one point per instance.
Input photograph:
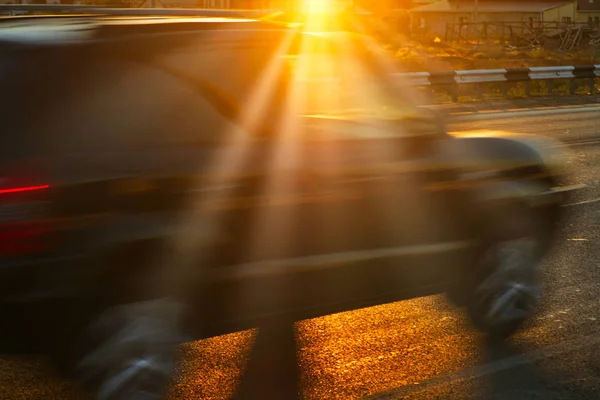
(429, 54)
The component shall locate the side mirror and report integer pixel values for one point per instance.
(436, 119)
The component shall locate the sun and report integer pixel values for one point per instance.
(323, 6)
(323, 14)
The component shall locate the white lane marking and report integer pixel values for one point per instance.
(583, 202)
(483, 370)
(503, 114)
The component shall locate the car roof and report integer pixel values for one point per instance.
(48, 29)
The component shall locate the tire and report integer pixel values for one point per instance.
(504, 290)
(128, 351)
(505, 295)
(118, 340)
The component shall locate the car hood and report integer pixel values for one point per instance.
(553, 153)
(361, 126)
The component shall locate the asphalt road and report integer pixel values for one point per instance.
(423, 348)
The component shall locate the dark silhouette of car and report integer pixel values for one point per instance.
(164, 180)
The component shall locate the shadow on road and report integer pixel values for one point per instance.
(520, 376)
(272, 371)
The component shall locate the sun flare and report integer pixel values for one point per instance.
(320, 6)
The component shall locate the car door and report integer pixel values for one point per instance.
(331, 210)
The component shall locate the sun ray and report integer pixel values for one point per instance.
(198, 228)
(273, 226)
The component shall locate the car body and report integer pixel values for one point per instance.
(168, 158)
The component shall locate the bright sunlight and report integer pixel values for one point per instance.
(324, 6)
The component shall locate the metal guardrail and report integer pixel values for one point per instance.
(453, 79)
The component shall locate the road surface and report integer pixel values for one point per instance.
(418, 349)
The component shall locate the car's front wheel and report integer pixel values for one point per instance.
(507, 290)
(504, 288)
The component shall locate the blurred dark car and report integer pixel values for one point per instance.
(164, 180)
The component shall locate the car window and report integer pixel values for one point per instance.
(269, 74)
(340, 77)
(119, 105)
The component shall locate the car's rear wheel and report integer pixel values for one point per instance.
(119, 340)
(126, 352)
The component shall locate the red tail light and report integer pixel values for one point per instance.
(23, 212)
(23, 189)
